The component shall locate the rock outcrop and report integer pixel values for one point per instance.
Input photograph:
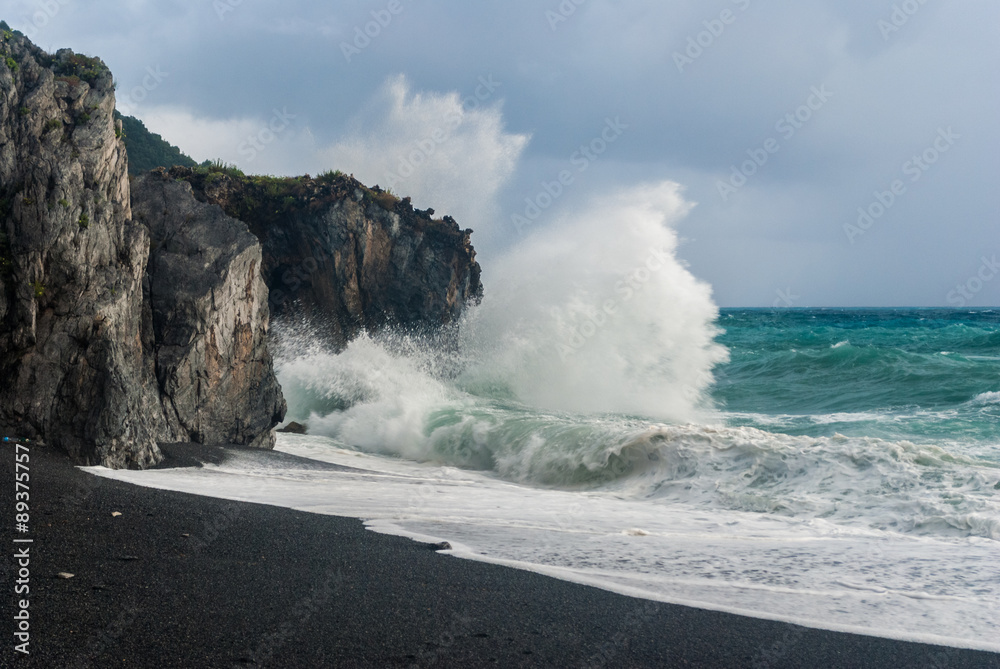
(74, 367)
(90, 360)
(210, 319)
(345, 257)
(133, 315)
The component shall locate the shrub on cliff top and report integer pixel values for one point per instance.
(386, 199)
(263, 201)
(329, 176)
(72, 80)
(219, 166)
(78, 65)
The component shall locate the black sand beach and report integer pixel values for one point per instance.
(184, 581)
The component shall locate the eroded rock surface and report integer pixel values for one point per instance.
(74, 363)
(348, 258)
(210, 319)
(109, 346)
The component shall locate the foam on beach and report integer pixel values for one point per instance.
(812, 572)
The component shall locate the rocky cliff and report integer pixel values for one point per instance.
(132, 315)
(74, 367)
(347, 257)
(108, 344)
(209, 317)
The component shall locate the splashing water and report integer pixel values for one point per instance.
(597, 315)
(593, 329)
(590, 364)
(841, 471)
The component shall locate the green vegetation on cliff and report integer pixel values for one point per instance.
(78, 67)
(338, 252)
(263, 201)
(147, 150)
(5, 36)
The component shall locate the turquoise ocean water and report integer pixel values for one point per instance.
(926, 375)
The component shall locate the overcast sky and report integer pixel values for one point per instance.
(779, 120)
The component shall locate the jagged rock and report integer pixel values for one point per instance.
(109, 344)
(346, 257)
(293, 428)
(97, 357)
(73, 368)
(210, 318)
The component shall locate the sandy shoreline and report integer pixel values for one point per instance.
(254, 585)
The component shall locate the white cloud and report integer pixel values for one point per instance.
(444, 151)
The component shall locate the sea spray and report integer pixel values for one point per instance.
(376, 395)
(595, 314)
(590, 329)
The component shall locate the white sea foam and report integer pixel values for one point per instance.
(393, 397)
(595, 314)
(590, 322)
(986, 398)
(849, 417)
(810, 571)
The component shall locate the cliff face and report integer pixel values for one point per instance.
(109, 345)
(132, 316)
(73, 362)
(346, 257)
(210, 319)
